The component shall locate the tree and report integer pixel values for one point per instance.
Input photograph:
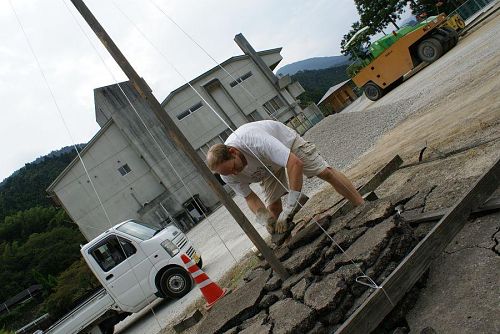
(356, 44)
(73, 284)
(433, 7)
(377, 14)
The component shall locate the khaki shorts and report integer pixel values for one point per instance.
(313, 165)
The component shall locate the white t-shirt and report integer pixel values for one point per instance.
(270, 141)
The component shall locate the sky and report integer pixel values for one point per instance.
(36, 120)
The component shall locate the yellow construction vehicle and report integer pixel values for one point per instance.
(385, 62)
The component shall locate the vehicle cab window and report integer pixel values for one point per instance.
(112, 251)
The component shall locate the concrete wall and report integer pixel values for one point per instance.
(122, 195)
(232, 104)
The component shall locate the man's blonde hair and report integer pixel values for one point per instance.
(217, 154)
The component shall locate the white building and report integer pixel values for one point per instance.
(132, 174)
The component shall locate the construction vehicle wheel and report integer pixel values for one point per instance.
(429, 50)
(453, 35)
(444, 38)
(372, 91)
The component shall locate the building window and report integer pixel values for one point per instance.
(273, 105)
(225, 134)
(124, 170)
(219, 139)
(240, 79)
(254, 116)
(189, 111)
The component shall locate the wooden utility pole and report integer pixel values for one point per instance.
(176, 135)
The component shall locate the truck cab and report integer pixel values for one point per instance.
(137, 263)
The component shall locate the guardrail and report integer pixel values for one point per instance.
(471, 7)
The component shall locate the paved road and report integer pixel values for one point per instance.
(216, 261)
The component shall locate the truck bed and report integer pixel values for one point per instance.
(90, 310)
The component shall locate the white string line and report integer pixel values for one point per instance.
(253, 153)
(155, 140)
(69, 134)
(81, 158)
(157, 143)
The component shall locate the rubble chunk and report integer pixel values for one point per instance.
(291, 317)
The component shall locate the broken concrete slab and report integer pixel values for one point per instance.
(268, 300)
(367, 247)
(417, 202)
(235, 307)
(344, 238)
(322, 296)
(291, 317)
(257, 329)
(258, 319)
(305, 255)
(299, 289)
(337, 314)
(374, 212)
(291, 281)
(308, 234)
(273, 283)
(447, 193)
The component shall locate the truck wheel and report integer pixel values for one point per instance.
(175, 282)
(453, 35)
(444, 40)
(372, 91)
(429, 50)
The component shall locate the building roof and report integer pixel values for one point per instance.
(215, 68)
(332, 90)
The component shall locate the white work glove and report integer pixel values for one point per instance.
(265, 218)
(289, 210)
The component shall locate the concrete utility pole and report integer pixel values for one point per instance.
(176, 135)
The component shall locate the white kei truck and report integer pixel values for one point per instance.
(135, 263)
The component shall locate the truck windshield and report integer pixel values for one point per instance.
(138, 230)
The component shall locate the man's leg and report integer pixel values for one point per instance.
(275, 208)
(341, 184)
(274, 190)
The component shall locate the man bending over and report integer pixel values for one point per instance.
(257, 149)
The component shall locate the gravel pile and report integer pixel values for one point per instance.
(342, 138)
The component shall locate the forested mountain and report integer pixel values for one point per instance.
(317, 63)
(26, 187)
(38, 241)
(317, 82)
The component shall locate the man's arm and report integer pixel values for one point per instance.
(254, 202)
(294, 169)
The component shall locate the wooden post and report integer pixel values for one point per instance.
(176, 135)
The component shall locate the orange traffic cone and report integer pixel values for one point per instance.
(210, 290)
